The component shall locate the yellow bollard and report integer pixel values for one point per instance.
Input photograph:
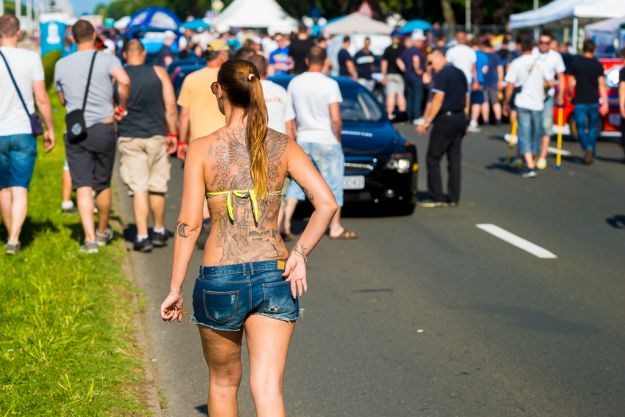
(559, 152)
(512, 141)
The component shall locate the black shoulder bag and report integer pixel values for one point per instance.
(35, 121)
(75, 120)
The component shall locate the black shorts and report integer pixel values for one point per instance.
(91, 161)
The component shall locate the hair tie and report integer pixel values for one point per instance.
(250, 76)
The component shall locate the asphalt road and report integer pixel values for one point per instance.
(428, 315)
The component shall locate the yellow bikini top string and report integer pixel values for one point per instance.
(241, 194)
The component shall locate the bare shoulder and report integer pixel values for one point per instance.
(276, 143)
(204, 143)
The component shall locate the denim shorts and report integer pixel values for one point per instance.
(329, 160)
(225, 296)
(17, 160)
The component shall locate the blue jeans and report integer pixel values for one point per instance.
(414, 98)
(17, 160)
(530, 130)
(329, 160)
(587, 122)
(548, 116)
(225, 296)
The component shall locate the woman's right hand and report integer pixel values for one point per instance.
(295, 273)
(171, 308)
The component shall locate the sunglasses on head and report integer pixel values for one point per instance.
(214, 87)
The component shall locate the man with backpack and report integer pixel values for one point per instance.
(84, 82)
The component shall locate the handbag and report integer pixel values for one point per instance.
(35, 122)
(75, 120)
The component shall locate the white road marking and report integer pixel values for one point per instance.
(517, 241)
(554, 151)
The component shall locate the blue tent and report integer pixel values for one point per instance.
(413, 25)
(152, 19)
(149, 25)
(196, 25)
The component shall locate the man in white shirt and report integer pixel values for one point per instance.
(280, 115)
(316, 100)
(463, 57)
(18, 145)
(554, 63)
(528, 76)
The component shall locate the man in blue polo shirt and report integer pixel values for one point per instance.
(447, 112)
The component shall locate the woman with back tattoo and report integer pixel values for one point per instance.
(248, 282)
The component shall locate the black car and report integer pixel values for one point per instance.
(380, 164)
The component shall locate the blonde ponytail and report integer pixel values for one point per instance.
(256, 130)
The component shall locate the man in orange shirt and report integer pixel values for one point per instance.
(199, 113)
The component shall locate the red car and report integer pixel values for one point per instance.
(610, 122)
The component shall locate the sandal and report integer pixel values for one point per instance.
(345, 235)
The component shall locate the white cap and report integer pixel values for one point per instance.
(418, 35)
(170, 34)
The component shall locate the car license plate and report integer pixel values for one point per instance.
(354, 182)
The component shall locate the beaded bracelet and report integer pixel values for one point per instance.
(301, 255)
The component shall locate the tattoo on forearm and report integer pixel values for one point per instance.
(303, 250)
(181, 229)
(308, 194)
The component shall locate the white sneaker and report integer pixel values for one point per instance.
(541, 163)
(474, 127)
(511, 139)
(530, 173)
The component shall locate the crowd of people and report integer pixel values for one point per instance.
(520, 80)
(242, 136)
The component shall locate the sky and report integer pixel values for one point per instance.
(86, 6)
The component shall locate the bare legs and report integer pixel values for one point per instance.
(222, 352)
(84, 197)
(393, 99)
(268, 343)
(143, 203)
(14, 205)
(67, 186)
(336, 228)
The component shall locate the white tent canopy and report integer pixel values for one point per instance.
(357, 23)
(600, 9)
(609, 25)
(551, 12)
(565, 9)
(256, 14)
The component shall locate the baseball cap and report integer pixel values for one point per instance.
(419, 36)
(170, 34)
(217, 45)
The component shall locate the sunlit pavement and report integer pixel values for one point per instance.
(509, 305)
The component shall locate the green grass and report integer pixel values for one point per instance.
(67, 320)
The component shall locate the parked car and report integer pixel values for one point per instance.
(381, 166)
(610, 122)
